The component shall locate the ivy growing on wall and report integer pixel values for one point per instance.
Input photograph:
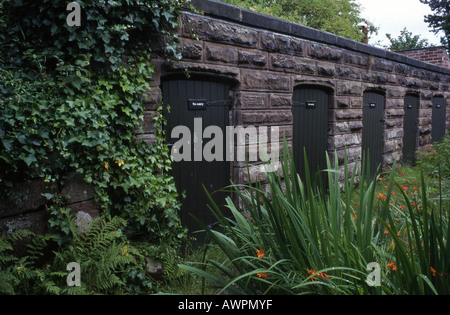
(71, 98)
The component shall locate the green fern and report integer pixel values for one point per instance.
(105, 257)
(103, 254)
(8, 275)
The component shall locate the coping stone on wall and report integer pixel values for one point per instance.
(235, 14)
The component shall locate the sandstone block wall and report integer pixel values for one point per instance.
(266, 59)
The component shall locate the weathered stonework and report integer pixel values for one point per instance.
(267, 58)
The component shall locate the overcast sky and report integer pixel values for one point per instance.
(391, 16)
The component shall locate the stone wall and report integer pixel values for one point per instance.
(26, 207)
(266, 58)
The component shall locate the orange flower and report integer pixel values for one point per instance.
(433, 271)
(262, 275)
(314, 272)
(260, 253)
(402, 207)
(392, 266)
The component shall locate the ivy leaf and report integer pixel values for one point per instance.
(30, 159)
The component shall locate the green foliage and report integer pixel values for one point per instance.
(19, 273)
(71, 98)
(436, 161)
(103, 254)
(337, 17)
(321, 243)
(406, 41)
(109, 264)
(439, 21)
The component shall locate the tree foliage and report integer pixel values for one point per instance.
(440, 19)
(71, 98)
(340, 17)
(406, 40)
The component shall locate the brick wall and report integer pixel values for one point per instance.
(434, 55)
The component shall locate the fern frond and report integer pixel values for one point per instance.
(7, 281)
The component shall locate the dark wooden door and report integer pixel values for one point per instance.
(410, 129)
(439, 118)
(310, 115)
(373, 127)
(190, 100)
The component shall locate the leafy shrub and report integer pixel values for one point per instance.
(109, 264)
(71, 98)
(301, 240)
(436, 160)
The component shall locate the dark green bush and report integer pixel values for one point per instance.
(436, 160)
(71, 98)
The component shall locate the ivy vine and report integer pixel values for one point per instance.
(71, 98)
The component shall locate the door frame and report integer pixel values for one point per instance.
(373, 167)
(416, 125)
(206, 78)
(329, 91)
(435, 116)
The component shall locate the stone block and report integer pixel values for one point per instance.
(347, 72)
(324, 70)
(393, 134)
(395, 122)
(282, 62)
(34, 221)
(395, 112)
(349, 114)
(324, 52)
(337, 142)
(221, 53)
(306, 67)
(356, 59)
(246, 100)
(262, 80)
(148, 125)
(214, 69)
(254, 173)
(257, 118)
(352, 153)
(383, 65)
(216, 31)
(281, 44)
(349, 88)
(252, 58)
(191, 49)
(76, 189)
(23, 197)
(281, 100)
